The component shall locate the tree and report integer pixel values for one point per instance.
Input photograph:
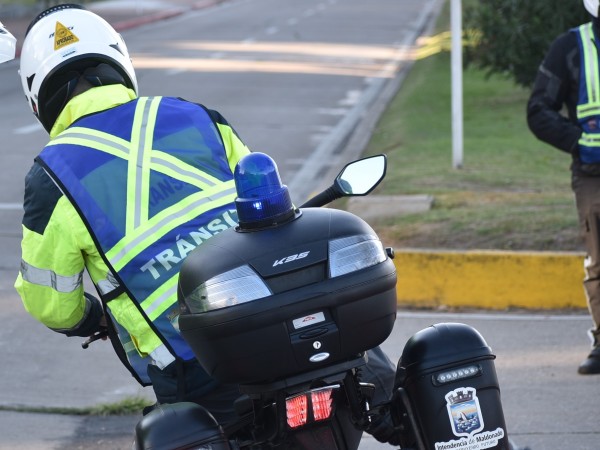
(511, 37)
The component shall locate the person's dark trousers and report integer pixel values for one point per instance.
(187, 381)
(587, 197)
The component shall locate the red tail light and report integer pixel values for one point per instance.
(322, 404)
(309, 406)
(297, 410)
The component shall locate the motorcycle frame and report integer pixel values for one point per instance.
(265, 404)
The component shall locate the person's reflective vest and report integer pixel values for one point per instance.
(588, 105)
(151, 180)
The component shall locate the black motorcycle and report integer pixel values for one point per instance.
(288, 304)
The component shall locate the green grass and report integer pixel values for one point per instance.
(127, 406)
(513, 191)
(22, 2)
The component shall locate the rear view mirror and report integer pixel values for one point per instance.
(362, 176)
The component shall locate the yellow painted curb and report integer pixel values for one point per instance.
(490, 279)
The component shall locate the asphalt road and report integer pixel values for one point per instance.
(295, 79)
(547, 405)
(302, 81)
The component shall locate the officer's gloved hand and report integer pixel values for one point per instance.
(382, 429)
(93, 322)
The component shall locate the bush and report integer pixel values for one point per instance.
(511, 37)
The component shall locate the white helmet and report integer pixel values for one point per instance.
(8, 45)
(61, 43)
(592, 6)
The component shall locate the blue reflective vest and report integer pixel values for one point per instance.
(588, 104)
(151, 181)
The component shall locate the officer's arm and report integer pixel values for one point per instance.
(50, 281)
(551, 88)
(234, 146)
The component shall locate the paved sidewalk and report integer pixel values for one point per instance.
(547, 405)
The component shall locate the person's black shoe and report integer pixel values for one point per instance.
(591, 365)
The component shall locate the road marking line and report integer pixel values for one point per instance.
(11, 206)
(27, 129)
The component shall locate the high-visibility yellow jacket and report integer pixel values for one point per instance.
(64, 232)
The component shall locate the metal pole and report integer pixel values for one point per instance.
(457, 84)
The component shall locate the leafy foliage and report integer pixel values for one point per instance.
(513, 191)
(511, 37)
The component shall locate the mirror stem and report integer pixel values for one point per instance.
(327, 196)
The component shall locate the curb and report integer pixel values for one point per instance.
(163, 15)
(133, 23)
(495, 280)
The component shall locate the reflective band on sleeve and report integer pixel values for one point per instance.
(48, 278)
(108, 285)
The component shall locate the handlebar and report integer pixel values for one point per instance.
(102, 334)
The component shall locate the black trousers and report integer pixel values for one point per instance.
(187, 381)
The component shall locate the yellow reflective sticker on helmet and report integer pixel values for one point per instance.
(63, 36)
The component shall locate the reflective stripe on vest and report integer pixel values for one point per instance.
(151, 180)
(588, 105)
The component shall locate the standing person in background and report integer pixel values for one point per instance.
(569, 76)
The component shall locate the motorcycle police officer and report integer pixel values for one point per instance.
(570, 76)
(126, 188)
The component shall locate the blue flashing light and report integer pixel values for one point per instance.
(262, 200)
